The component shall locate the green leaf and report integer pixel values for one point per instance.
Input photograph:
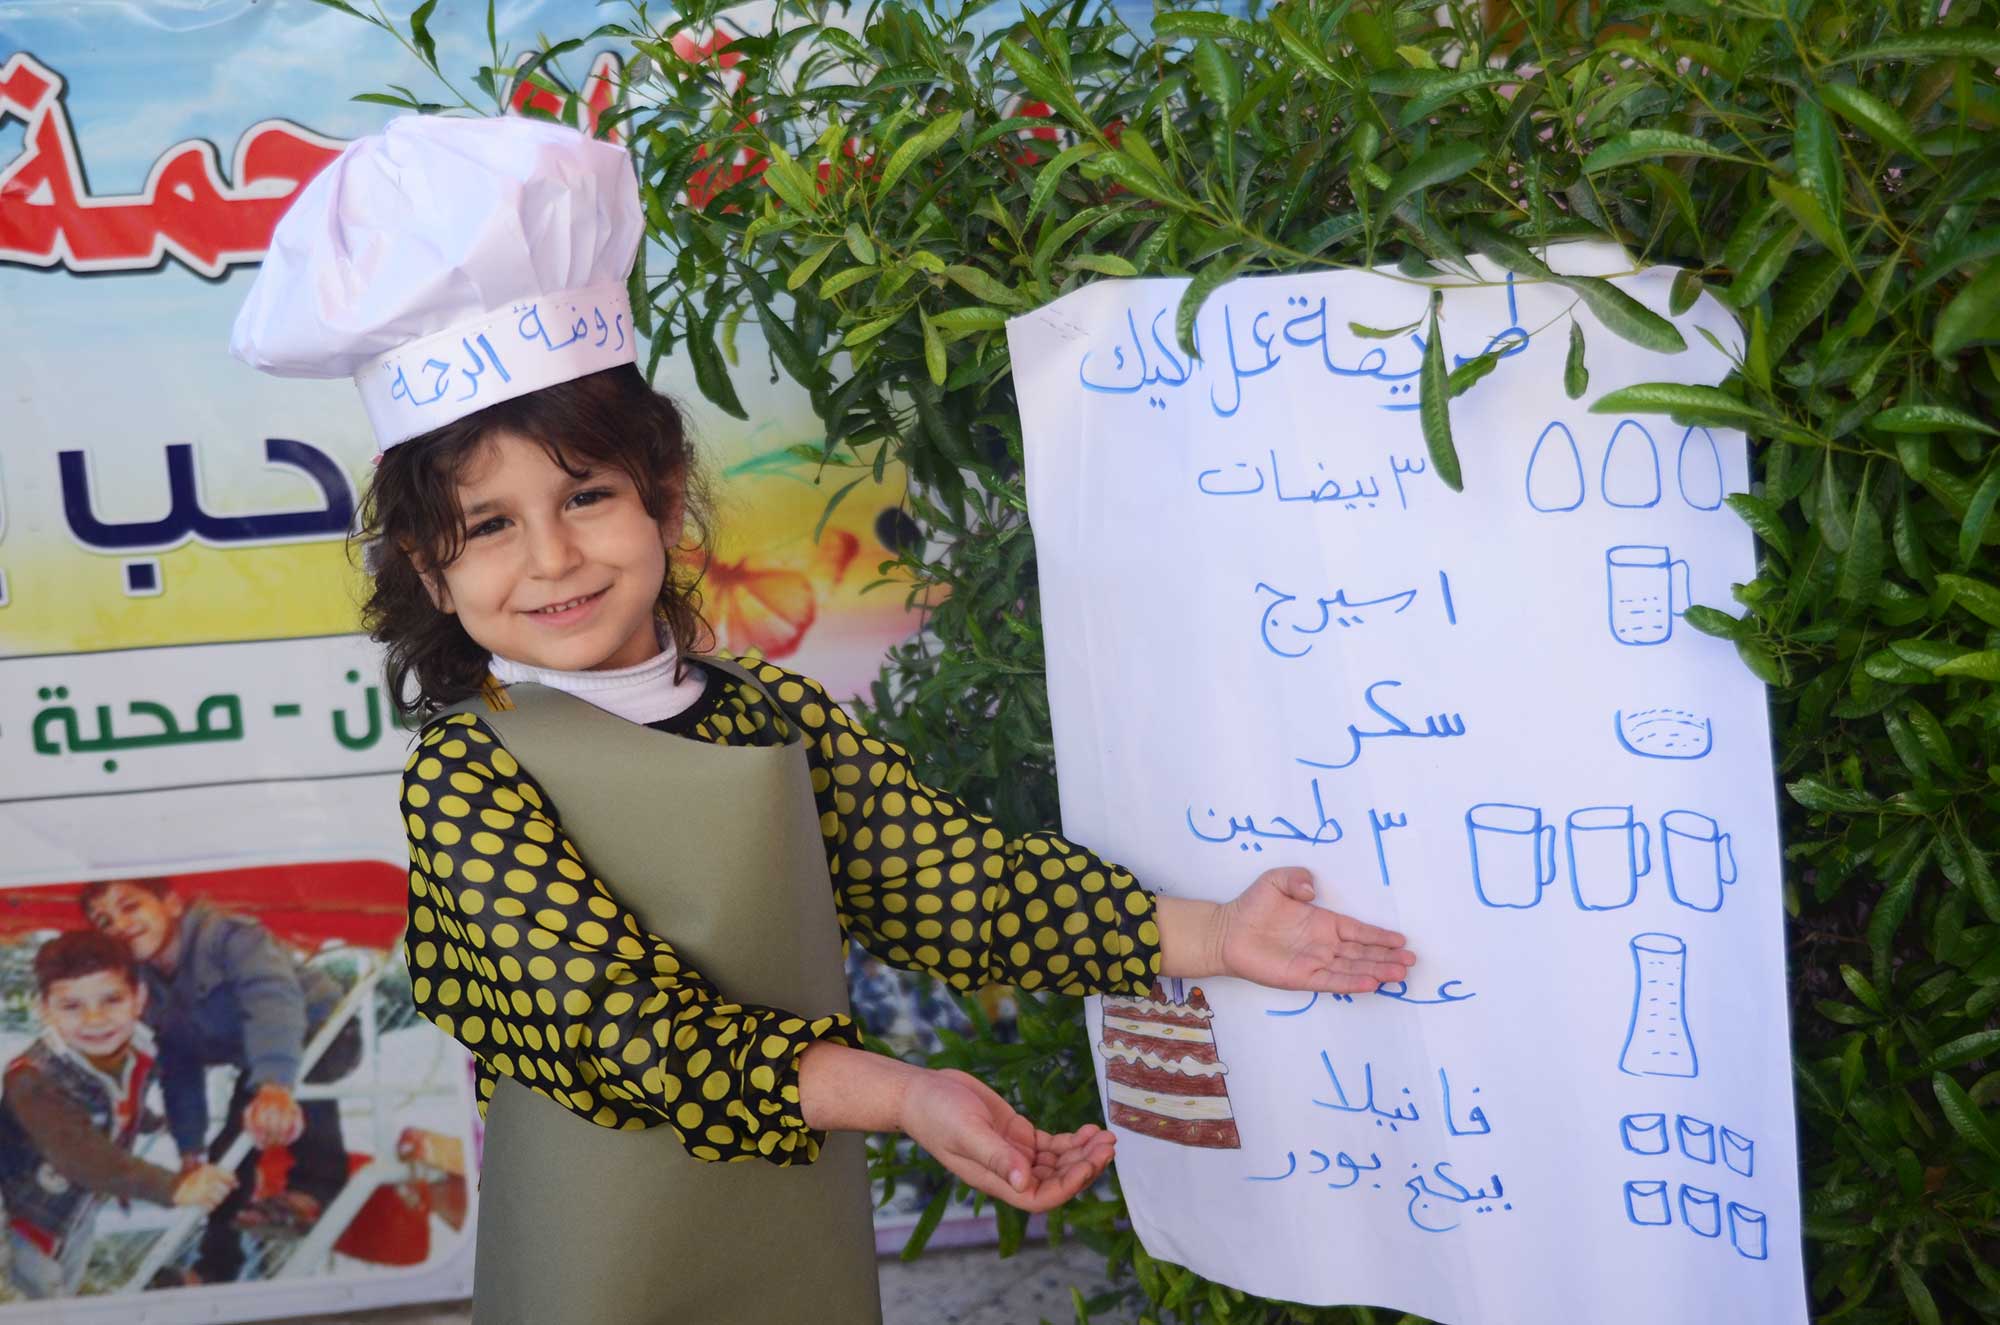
(711, 375)
(1437, 166)
(1649, 145)
(1763, 268)
(860, 335)
(1975, 596)
(982, 285)
(934, 357)
(1978, 514)
(1434, 405)
(912, 150)
(1760, 661)
(1625, 316)
(790, 180)
(1816, 168)
(1576, 377)
(1973, 315)
(804, 271)
(1873, 116)
(1686, 289)
(1198, 290)
(1965, 1049)
(1464, 377)
(1383, 333)
(1719, 624)
(1043, 83)
(1764, 520)
(1964, 1116)
(1922, 1305)
(845, 279)
(1175, 24)
(1220, 79)
(1108, 264)
(927, 1223)
(1810, 213)
(1702, 402)
(1051, 173)
(420, 32)
(1973, 44)
(973, 318)
(1929, 419)
(1295, 46)
(1983, 665)
(859, 244)
(1867, 553)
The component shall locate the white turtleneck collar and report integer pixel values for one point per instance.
(644, 693)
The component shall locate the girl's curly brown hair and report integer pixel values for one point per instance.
(410, 519)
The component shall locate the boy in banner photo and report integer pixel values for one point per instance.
(70, 1113)
(224, 992)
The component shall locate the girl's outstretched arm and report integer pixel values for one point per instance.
(923, 882)
(958, 1119)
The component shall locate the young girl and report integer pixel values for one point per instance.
(633, 866)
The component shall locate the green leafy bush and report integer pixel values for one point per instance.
(880, 196)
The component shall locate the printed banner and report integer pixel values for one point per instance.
(1277, 639)
(192, 728)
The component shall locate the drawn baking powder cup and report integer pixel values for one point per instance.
(1739, 1152)
(1697, 1138)
(1644, 1133)
(1701, 1211)
(1747, 1232)
(1646, 1204)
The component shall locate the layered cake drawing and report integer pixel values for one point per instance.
(1164, 1079)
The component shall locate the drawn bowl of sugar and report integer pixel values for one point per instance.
(1664, 733)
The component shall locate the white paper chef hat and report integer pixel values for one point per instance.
(450, 264)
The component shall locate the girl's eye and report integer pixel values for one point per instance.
(591, 496)
(493, 526)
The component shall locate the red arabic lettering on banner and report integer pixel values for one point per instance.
(187, 211)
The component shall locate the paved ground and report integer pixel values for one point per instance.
(970, 1286)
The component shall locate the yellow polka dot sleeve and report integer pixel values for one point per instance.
(923, 882)
(530, 961)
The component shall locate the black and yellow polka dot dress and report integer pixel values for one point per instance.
(524, 954)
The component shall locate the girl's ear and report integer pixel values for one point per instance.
(433, 583)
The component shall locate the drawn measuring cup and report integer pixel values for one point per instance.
(1701, 860)
(1647, 587)
(1657, 1041)
(1509, 843)
(1701, 1211)
(1609, 848)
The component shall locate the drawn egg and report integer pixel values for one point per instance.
(1699, 468)
(1555, 471)
(1631, 477)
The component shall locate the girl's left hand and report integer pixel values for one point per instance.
(1273, 935)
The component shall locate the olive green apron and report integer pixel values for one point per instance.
(718, 850)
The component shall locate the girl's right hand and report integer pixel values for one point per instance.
(205, 1186)
(978, 1136)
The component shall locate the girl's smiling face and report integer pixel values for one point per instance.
(557, 571)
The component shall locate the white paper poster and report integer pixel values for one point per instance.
(1275, 638)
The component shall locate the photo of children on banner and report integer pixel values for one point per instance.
(225, 994)
(108, 1110)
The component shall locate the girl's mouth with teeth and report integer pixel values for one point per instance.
(568, 607)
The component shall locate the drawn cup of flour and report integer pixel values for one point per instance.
(1609, 849)
(1664, 733)
(1513, 854)
(1647, 587)
(1657, 1040)
(1701, 860)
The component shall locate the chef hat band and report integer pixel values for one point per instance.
(448, 264)
(494, 357)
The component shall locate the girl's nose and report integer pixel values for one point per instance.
(552, 553)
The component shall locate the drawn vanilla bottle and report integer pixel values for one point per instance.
(1657, 1040)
